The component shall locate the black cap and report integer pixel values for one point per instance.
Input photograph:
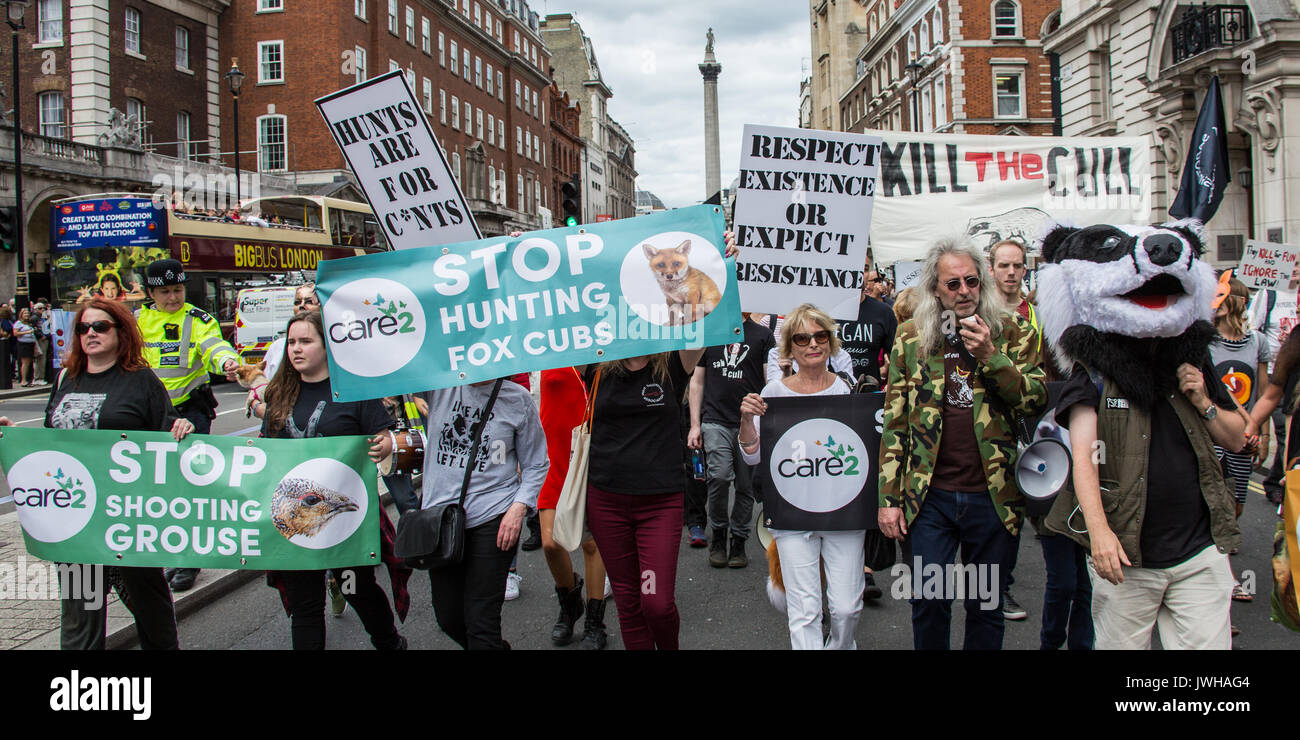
(165, 272)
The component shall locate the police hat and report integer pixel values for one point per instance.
(165, 272)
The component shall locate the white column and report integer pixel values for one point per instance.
(88, 54)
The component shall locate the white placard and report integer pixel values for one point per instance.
(803, 212)
(1265, 265)
(907, 274)
(391, 149)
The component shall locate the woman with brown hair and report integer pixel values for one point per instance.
(299, 405)
(106, 384)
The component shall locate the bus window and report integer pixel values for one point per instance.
(347, 227)
(375, 238)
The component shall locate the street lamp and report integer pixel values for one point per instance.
(14, 11)
(913, 69)
(236, 80)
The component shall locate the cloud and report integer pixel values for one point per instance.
(649, 56)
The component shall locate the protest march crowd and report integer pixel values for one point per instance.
(962, 358)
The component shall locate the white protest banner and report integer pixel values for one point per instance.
(389, 146)
(803, 210)
(907, 274)
(1265, 265)
(991, 188)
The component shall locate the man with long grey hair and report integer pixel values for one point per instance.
(958, 372)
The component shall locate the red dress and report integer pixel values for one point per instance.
(564, 403)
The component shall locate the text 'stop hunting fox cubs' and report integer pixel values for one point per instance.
(690, 293)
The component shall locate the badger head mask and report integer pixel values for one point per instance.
(1131, 302)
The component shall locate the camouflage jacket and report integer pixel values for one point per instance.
(913, 418)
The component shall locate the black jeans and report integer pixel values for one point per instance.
(1067, 600)
(143, 591)
(305, 590)
(467, 597)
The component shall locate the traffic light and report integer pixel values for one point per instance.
(8, 226)
(571, 207)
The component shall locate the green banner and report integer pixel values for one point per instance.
(144, 499)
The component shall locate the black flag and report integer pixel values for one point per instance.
(1205, 174)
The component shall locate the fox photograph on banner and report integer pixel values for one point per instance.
(437, 317)
(142, 499)
(818, 456)
(803, 212)
(990, 188)
(398, 162)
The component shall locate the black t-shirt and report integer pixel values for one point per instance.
(636, 439)
(335, 419)
(958, 466)
(112, 399)
(733, 370)
(865, 338)
(1177, 522)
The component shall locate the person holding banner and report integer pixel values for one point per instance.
(298, 405)
(810, 338)
(106, 384)
(959, 372)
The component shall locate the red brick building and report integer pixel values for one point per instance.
(948, 65)
(565, 142)
(477, 68)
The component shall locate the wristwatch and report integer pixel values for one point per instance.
(1210, 412)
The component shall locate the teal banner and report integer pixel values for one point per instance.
(144, 499)
(436, 317)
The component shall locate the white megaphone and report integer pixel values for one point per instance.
(1044, 467)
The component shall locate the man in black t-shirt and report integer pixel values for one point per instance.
(723, 377)
(872, 333)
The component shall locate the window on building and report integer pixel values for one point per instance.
(410, 78)
(492, 183)
(518, 93)
(940, 102)
(53, 122)
(1009, 93)
(537, 148)
(182, 48)
(492, 130)
(442, 107)
(927, 100)
(517, 46)
(519, 140)
(911, 46)
(519, 203)
(272, 144)
(938, 26)
(426, 41)
(49, 21)
(442, 49)
(410, 25)
(455, 58)
(501, 87)
(455, 112)
(359, 56)
(428, 96)
(478, 72)
(478, 15)
(478, 122)
(893, 64)
(133, 30)
(537, 110)
(487, 22)
(1104, 98)
(500, 40)
(925, 36)
(184, 149)
(501, 133)
(270, 61)
(135, 107)
(265, 5)
(392, 17)
(487, 78)
(469, 118)
(465, 59)
(455, 165)
(528, 145)
(393, 66)
(359, 9)
(1006, 19)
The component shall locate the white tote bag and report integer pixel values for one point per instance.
(571, 510)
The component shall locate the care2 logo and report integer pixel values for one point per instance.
(53, 493)
(373, 326)
(824, 474)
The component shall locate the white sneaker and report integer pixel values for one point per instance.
(609, 590)
(512, 586)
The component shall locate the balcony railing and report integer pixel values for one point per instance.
(1209, 27)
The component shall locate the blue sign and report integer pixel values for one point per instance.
(108, 222)
(435, 317)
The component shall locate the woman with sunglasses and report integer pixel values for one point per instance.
(25, 335)
(299, 405)
(810, 339)
(106, 384)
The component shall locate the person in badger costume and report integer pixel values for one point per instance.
(1126, 310)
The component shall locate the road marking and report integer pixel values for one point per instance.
(242, 432)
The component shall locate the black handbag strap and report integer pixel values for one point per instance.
(477, 433)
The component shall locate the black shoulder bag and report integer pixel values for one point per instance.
(434, 538)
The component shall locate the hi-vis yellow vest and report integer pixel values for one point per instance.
(182, 347)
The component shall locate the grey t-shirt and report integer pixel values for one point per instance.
(511, 462)
(1236, 362)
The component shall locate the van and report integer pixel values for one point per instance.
(261, 315)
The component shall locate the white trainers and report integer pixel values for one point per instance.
(512, 586)
(609, 590)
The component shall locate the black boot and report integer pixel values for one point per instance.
(718, 548)
(570, 609)
(593, 632)
(738, 557)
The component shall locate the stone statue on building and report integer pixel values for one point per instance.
(708, 48)
(123, 131)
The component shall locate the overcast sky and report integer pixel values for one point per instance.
(649, 55)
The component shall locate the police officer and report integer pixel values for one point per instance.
(182, 343)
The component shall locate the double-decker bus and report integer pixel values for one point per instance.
(101, 244)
